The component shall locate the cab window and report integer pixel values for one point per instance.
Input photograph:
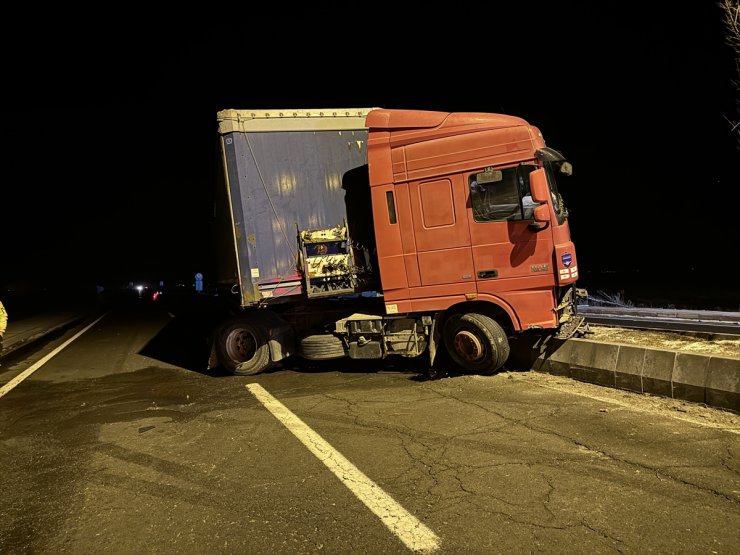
(496, 195)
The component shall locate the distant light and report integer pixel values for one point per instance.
(139, 288)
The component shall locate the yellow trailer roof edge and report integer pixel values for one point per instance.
(291, 119)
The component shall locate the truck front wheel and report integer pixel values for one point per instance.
(242, 349)
(476, 342)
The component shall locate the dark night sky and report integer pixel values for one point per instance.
(109, 124)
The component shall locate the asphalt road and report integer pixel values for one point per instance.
(122, 442)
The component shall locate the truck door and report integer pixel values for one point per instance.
(508, 254)
(440, 220)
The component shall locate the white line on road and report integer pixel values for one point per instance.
(28, 371)
(410, 530)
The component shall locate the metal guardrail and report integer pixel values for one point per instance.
(699, 321)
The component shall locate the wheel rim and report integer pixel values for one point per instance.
(468, 346)
(241, 345)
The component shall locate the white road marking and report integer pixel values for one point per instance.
(28, 371)
(410, 530)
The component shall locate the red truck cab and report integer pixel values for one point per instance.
(452, 225)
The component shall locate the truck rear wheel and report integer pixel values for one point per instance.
(242, 348)
(322, 347)
(476, 342)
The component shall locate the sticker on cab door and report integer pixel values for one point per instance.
(567, 259)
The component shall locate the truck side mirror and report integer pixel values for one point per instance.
(541, 213)
(541, 216)
(541, 194)
(566, 168)
(538, 186)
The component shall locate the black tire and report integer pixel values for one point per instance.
(321, 347)
(242, 348)
(477, 343)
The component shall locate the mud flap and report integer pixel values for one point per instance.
(212, 356)
(434, 337)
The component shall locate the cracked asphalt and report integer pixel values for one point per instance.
(122, 443)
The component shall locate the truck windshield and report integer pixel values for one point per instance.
(556, 171)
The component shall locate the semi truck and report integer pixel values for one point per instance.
(374, 232)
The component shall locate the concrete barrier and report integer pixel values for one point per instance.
(712, 380)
